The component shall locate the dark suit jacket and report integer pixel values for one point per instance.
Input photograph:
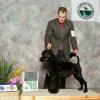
(56, 37)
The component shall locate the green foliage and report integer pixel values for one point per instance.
(5, 71)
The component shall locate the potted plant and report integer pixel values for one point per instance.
(9, 74)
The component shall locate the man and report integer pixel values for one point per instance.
(60, 34)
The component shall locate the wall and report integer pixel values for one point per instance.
(22, 29)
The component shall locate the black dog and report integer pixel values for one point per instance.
(58, 71)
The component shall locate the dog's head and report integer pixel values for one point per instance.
(46, 55)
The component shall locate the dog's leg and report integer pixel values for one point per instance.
(81, 81)
(62, 83)
(79, 77)
(85, 85)
(46, 82)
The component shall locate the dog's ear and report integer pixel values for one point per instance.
(43, 52)
(72, 54)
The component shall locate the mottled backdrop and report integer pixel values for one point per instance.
(22, 29)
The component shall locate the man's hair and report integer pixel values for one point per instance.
(62, 9)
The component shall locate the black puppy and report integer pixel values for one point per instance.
(57, 71)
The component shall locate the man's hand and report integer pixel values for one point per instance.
(49, 46)
(75, 51)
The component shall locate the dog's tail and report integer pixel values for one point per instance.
(78, 60)
(74, 55)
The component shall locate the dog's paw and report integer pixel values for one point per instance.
(80, 88)
(85, 90)
(53, 91)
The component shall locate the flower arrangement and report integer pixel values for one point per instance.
(15, 78)
(9, 74)
(16, 81)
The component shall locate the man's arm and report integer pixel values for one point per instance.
(48, 36)
(73, 39)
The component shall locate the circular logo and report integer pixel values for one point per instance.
(85, 10)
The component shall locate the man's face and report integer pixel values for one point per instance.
(62, 16)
